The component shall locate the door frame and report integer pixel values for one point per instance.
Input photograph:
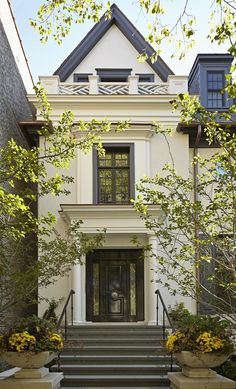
(97, 256)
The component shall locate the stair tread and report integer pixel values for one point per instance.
(114, 376)
(133, 366)
(117, 347)
(115, 356)
(121, 356)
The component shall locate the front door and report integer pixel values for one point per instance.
(114, 285)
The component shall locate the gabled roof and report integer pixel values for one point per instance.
(98, 31)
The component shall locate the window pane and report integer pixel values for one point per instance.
(105, 160)
(122, 185)
(215, 84)
(122, 159)
(105, 186)
(96, 289)
(132, 289)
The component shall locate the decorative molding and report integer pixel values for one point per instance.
(122, 219)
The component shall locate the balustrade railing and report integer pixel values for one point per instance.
(150, 88)
(74, 88)
(112, 88)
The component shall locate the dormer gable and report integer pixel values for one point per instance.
(104, 29)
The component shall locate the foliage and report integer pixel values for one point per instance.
(24, 179)
(55, 18)
(228, 368)
(50, 313)
(197, 223)
(31, 334)
(203, 334)
(178, 312)
(196, 230)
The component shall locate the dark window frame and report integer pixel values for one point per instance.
(216, 90)
(84, 77)
(115, 146)
(150, 77)
(113, 75)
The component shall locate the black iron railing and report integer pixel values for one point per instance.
(165, 322)
(62, 323)
(63, 319)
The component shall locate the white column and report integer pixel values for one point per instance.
(78, 285)
(177, 84)
(50, 83)
(133, 85)
(152, 286)
(93, 85)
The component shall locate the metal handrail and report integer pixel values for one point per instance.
(64, 313)
(165, 314)
(59, 323)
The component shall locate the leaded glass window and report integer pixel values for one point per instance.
(114, 176)
(215, 85)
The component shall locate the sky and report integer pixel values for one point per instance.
(44, 59)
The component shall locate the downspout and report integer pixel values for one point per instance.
(196, 197)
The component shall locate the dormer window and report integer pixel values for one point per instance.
(82, 77)
(113, 75)
(215, 85)
(145, 77)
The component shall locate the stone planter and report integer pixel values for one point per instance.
(31, 363)
(199, 364)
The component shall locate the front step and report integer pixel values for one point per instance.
(115, 360)
(113, 350)
(115, 380)
(115, 356)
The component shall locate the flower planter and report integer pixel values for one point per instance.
(31, 363)
(199, 364)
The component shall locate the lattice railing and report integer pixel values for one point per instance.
(74, 88)
(150, 88)
(113, 88)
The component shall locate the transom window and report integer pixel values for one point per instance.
(215, 84)
(113, 171)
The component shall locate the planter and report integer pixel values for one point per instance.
(199, 364)
(31, 363)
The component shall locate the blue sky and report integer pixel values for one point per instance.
(45, 58)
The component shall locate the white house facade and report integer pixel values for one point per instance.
(101, 79)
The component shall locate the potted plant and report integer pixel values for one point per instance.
(30, 344)
(200, 342)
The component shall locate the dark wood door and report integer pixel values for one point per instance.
(114, 285)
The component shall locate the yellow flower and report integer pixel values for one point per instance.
(56, 339)
(21, 341)
(208, 343)
(176, 335)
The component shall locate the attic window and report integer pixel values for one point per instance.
(215, 85)
(148, 77)
(82, 77)
(113, 75)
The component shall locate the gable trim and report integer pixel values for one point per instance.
(98, 31)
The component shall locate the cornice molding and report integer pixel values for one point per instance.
(122, 219)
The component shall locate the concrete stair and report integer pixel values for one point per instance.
(115, 356)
